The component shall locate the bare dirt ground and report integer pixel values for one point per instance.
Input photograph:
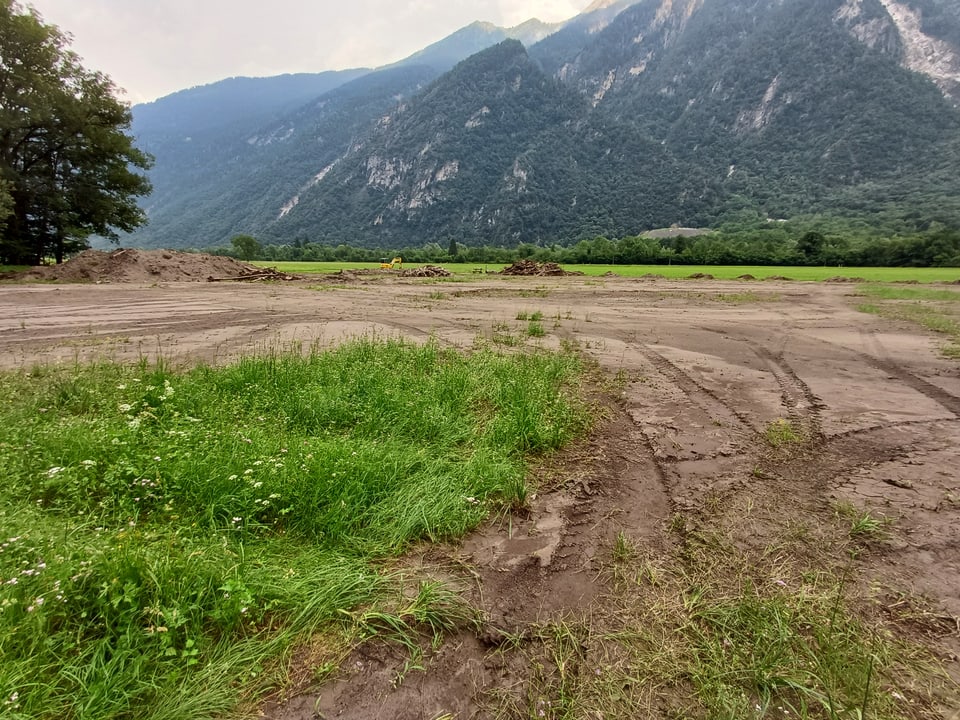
(698, 371)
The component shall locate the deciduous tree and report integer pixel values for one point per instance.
(70, 166)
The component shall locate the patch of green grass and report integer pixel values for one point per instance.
(538, 291)
(721, 272)
(932, 309)
(505, 339)
(693, 645)
(784, 654)
(891, 292)
(782, 432)
(745, 298)
(732, 272)
(864, 526)
(166, 537)
(535, 329)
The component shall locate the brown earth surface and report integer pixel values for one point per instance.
(690, 382)
(128, 265)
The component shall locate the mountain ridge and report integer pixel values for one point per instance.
(646, 113)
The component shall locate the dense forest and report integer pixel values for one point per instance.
(762, 243)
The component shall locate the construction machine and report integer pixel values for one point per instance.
(397, 262)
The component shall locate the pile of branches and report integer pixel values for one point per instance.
(255, 275)
(426, 271)
(533, 268)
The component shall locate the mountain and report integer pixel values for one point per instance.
(192, 133)
(475, 37)
(219, 148)
(631, 116)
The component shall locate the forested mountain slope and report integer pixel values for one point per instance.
(632, 116)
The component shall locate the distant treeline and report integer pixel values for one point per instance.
(775, 244)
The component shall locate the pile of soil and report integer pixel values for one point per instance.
(777, 277)
(533, 268)
(701, 276)
(747, 276)
(130, 265)
(426, 271)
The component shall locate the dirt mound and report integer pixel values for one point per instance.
(130, 265)
(777, 277)
(533, 268)
(746, 276)
(426, 271)
(843, 279)
(701, 276)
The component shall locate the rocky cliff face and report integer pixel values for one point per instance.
(937, 59)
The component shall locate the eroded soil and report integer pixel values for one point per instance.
(693, 375)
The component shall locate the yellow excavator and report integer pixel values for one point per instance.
(397, 262)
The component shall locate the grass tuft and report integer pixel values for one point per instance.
(782, 432)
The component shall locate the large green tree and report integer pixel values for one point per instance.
(68, 163)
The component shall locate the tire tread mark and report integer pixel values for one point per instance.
(691, 388)
(807, 412)
(881, 361)
(889, 426)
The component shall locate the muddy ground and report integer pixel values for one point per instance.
(695, 372)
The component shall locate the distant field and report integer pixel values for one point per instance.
(727, 272)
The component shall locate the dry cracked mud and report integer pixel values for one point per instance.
(693, 376)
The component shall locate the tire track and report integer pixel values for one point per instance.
(802, 404)
(889, 426)
(699, 394)
(881, 361)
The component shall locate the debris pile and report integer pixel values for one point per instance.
(777, 277)
(533, 268)
(701, 276)
(254, 274)
(130, 265)
(426, 271)
(746, 276)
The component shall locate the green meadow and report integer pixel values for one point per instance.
(723, 272)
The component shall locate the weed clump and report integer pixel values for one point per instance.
(782, 432)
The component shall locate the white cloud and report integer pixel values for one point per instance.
(154, 47)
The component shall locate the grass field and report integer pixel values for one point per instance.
(924, 275)
(167, 537)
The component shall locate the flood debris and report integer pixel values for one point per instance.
(532, 268)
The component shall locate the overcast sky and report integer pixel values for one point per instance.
(151, 48)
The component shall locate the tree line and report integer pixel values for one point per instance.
(773, 244)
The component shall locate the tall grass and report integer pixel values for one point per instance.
(166, 537)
